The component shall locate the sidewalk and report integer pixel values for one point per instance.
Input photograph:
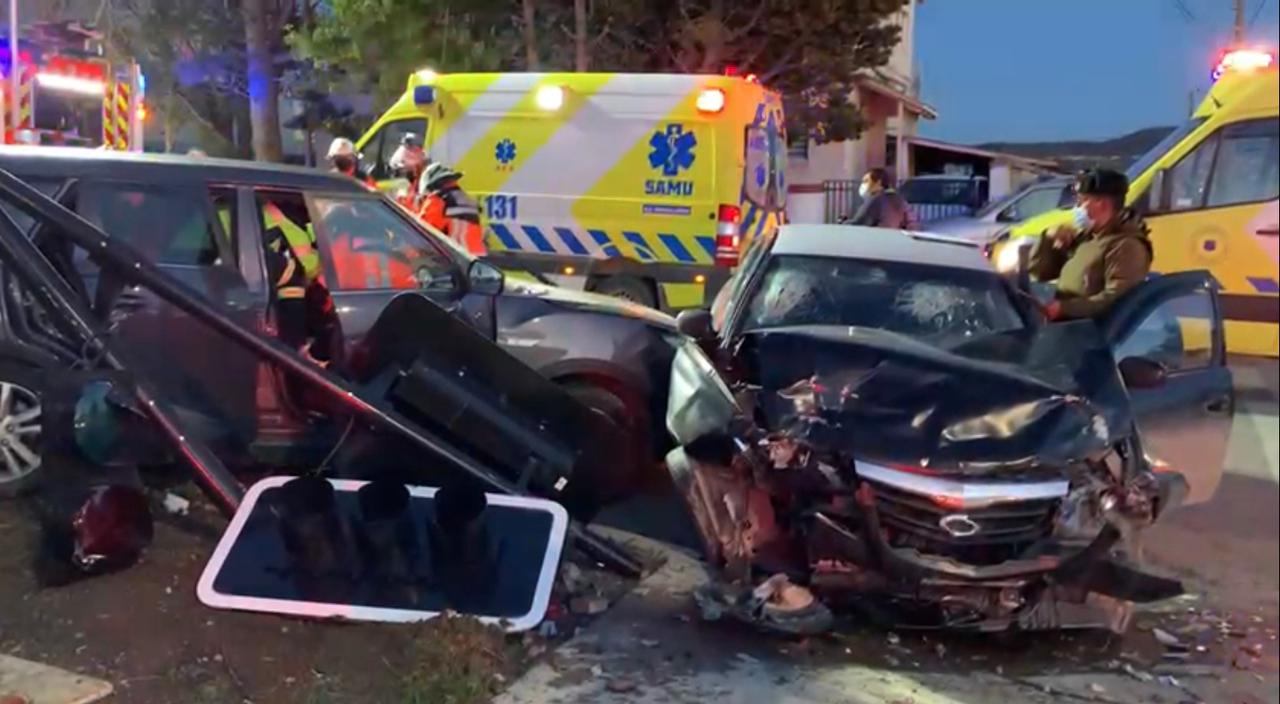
(41, 684)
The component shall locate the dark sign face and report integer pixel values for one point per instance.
(346, 553)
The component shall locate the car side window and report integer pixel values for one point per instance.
(166, 224)
(1179, 334)
(1248, 167)
(1067, 197)
(1189, 178)
(381, 146)
(224, 209)
(369, 246)
(1035, 202)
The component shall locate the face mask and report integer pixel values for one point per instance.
(1080, 215)
(864, 189)
(344, 163)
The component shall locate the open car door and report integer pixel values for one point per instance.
(1185, 419)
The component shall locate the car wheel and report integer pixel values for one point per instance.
(628, 289)
(21, 431)
(631, 418)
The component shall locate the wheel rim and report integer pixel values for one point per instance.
(20, 431)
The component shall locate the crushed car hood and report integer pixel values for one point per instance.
(996, 404)
(585, 300)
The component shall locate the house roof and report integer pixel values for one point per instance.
(884, 88)
(1014, 159)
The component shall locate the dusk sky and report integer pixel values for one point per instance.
(1024, 70)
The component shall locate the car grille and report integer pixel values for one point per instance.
(1003, 532)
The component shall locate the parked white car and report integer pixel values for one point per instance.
(998, 215)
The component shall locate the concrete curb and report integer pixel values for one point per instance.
(43, 684)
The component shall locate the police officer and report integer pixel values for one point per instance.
(344, 159)
(1105, 251)
(446, 207)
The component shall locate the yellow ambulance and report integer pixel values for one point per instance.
(1210, 193)
(642, 186)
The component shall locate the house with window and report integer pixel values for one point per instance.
(891, 108)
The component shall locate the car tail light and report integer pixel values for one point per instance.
(727, 219)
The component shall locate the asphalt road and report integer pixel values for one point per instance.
(652, 647)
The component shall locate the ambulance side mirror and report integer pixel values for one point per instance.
(485, 278)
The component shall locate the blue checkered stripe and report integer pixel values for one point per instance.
(602, 244)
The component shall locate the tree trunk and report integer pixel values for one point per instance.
(531, 62)
(264, 90)
(168, 125)
(581, 61)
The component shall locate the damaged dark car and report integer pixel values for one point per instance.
(878, 422)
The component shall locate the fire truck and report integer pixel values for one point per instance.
(68, 92)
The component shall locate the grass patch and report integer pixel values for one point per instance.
(457, 660)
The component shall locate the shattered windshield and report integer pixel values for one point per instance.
(910, 299)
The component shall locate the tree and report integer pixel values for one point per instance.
(377, 44)
(262, 80)
(191, 51)
(581, 60)
(809, 50)
(529, 33)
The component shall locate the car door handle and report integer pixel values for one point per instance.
(1271, 231)
(1218, 406)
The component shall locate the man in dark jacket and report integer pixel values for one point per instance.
(1096, 260)
(881, 204)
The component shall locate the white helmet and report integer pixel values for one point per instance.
(341, 146)
(407, 157)
(435, 176)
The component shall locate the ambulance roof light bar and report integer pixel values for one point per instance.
(1244, 61)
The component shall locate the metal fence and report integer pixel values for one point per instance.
(841, 200)
(928, 212)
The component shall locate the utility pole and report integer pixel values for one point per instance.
(1238, 33)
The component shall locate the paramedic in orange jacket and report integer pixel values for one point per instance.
(446, 207)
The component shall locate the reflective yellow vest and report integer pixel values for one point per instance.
(301, 241)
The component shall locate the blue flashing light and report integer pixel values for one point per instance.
(424, 95)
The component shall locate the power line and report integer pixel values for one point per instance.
(1257, 11)
(1187, 14)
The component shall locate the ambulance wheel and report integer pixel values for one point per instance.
(21, 437)
(627, 288)
(631, 419)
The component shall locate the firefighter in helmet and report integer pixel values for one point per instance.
(408, 162)
(448, 208)
(344, 159)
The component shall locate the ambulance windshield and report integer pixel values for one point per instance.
(1145, 161)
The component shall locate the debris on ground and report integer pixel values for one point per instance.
(621, 685)
(1137, 674)
(176, 505)
(107, 532)
(588, 605)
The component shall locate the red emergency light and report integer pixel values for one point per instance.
(1243, 61)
